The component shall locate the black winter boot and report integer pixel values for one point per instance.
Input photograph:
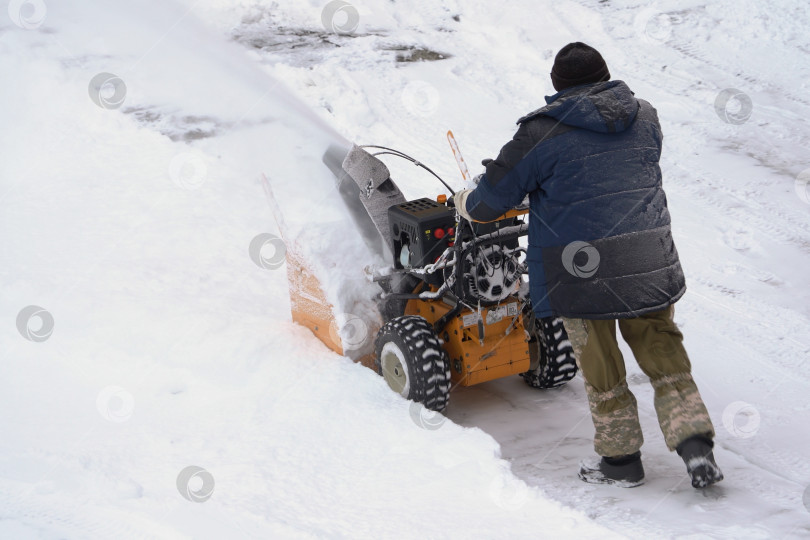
(622, 471)
(696, 452)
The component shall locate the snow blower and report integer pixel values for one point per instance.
(454, 300)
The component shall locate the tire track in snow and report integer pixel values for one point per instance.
(744, 214)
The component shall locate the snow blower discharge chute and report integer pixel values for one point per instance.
(454, 301)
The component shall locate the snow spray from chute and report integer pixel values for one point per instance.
(330, 288)
(324, 218)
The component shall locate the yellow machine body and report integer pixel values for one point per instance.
(503, 351)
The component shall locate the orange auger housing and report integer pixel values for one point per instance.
(311, 309)
(308, 303)
(345, 323)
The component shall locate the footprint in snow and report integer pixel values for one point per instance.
(739, 240)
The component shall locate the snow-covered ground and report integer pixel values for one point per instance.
(171, 347)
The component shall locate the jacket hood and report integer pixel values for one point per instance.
(606, 107)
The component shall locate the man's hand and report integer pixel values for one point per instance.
(459, 200)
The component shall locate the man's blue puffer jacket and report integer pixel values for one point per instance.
(600, 245)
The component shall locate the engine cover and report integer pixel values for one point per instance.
(420, 230)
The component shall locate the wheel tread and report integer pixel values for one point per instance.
(557, 360)
(428, 369)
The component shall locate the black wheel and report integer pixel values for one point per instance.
(412, 361)
(552, 357)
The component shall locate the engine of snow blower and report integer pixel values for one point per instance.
(455, 305)
(473, 285)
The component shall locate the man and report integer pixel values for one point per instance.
(601, 251)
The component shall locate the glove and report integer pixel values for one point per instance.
(459, 200)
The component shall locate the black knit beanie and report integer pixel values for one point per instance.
(576, 64)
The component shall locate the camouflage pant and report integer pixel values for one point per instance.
(657, 345)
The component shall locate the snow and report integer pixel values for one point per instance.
(172, 348)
